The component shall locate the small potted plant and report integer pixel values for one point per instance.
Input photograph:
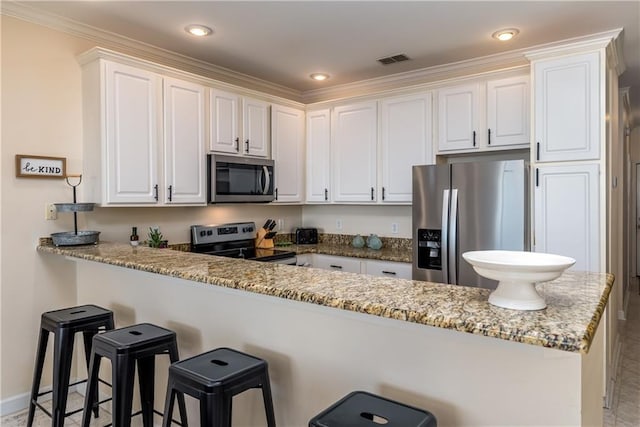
(156, 239)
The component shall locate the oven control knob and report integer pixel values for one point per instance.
(209, 232)
(203, 233)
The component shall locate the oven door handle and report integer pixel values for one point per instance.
(267, 181)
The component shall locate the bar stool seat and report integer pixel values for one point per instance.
(214, 378)
(363, 409)
(126, 347)
(64, 324)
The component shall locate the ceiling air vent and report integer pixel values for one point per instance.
(392, 59)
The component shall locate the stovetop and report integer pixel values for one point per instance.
(235, 240)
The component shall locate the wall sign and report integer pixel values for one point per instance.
(40, 166)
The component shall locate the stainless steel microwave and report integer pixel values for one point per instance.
(239, 179)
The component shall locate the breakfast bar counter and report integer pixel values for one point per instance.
(325, 333)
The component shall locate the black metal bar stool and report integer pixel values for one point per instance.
(214, 378)
(362, 409)
(65, 323)
(125, 347)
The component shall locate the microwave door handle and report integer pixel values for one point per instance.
(453, 240)
(267, 183)
(444, 236)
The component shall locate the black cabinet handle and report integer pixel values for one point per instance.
(237, 145)
(339, 267)
(474, 138)
(393, 273)
(326, 194)
(170, 192)
(488, 136)
(246, 146)
(372, 190)
(537, 151)
(155, 189)
(537, 178)
(382, 193)
(276, 194)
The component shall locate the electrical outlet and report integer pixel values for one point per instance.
(280, 223)
(50, 211)
(394, 228)
(338, 224)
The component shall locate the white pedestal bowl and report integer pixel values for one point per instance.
(517, 274)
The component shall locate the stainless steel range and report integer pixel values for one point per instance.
(235, 240)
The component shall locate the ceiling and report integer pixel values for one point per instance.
(284, 42)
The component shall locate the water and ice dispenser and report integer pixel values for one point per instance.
(429, 253)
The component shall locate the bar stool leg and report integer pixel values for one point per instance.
(88, 338)
(37, 373)
(173, 357)
(268, 402)
(123, 370)
(168, 404)
(63, 344)
(212, 411)
(92, 388)
(146, 369)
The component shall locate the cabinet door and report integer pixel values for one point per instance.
(184, 153)
(132, 100)
(353, 148)
(255, 127)
(567, 108)
(224, 110)
(318, 165)
(406, 141)
(508, 112)
(337, 263)
(396, 270)
(567, 213)
(287, 136)
(458, 117)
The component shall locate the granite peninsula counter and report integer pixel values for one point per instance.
(423, 342)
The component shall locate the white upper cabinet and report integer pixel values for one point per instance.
(406, 140)
(143, 137)
(131, 124)
(248, 137)
(353, 148)
(318, 165)
(567, 108)
(459, 117)
(224, 135)
(255, 127)
(567, 213)
(508, 112)
(184, 151)
(287, 136)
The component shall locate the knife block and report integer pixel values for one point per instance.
(263, 243)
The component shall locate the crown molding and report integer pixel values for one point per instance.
(146, 51)
(577, 45)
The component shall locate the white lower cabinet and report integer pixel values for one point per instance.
(567, 213)
(337, 263)
(396, 270)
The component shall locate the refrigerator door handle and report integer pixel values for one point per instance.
(444, 236)
(453, 237)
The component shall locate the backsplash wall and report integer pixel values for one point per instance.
(359, 219)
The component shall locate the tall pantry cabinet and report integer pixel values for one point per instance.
(572, 121)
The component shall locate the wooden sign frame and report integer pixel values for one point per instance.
(28, 166)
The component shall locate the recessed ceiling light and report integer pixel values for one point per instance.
(319, 76)
(506, 34)
(198, 30)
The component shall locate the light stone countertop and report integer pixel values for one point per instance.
(576, 300)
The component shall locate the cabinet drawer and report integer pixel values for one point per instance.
(397, 270)
(337, 263)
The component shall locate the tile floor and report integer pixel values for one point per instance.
(624, 412)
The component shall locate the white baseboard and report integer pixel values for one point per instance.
(20, 402)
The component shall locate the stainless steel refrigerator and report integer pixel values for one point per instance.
(464, 207)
